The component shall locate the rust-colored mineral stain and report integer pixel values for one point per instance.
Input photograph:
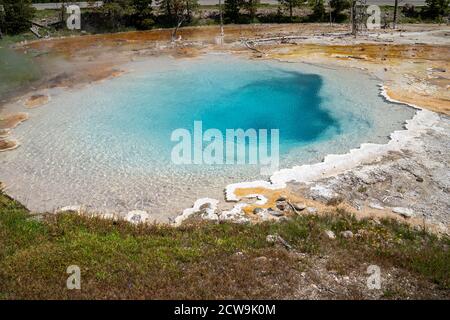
(369, 52)
(71, 45)
(400, 63)
(187, 52)
(4, 133)
(272, 195)
(85, 74)
(433, 103)
(13, 120)
(6, 145)
(322, 209)
(102, 74)
(37, 100)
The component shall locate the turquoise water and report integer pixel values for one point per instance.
(107, 146)
(260, 96)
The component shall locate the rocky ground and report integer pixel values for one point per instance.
(413, 182)
(323, 281)
(407, 181)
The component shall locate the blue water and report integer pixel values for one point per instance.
(288, 101)
(149, 108)
(107, 146)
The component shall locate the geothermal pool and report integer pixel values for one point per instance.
(107, 146)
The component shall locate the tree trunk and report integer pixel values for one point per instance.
(395, 13)
(329, 5)
(2, 10)
(168, 10)
(221, 18)
(188, 10)
(179, 23)
(353, 17)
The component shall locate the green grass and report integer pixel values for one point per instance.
(12, 39)
(119, 260)
(46, 14)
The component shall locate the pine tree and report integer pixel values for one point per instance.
(232, 8)
(337, 6)
(290, 5)
(252, 7)
(143, 14)
(178, 11)
(436, 9)
(318, 10)
(17, 16)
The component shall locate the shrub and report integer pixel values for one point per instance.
(17, 16)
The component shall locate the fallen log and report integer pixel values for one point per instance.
(35, 31)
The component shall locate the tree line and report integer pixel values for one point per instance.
(15, 15)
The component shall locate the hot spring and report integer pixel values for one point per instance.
(107, 146)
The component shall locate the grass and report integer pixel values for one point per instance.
(119, 260)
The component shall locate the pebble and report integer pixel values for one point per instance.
(404, 212)
(375, 206)
(311, 210)
(261, 259)
(276, 213)
(258, 210)
(330, 234)
(271, 238)
(436, 69)
(76, 209)
(137, 216)
(263, 214)
(299, 206)
(321, 192)
(275, 238)
(282, 205)
(442, 228)
(347, 234)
